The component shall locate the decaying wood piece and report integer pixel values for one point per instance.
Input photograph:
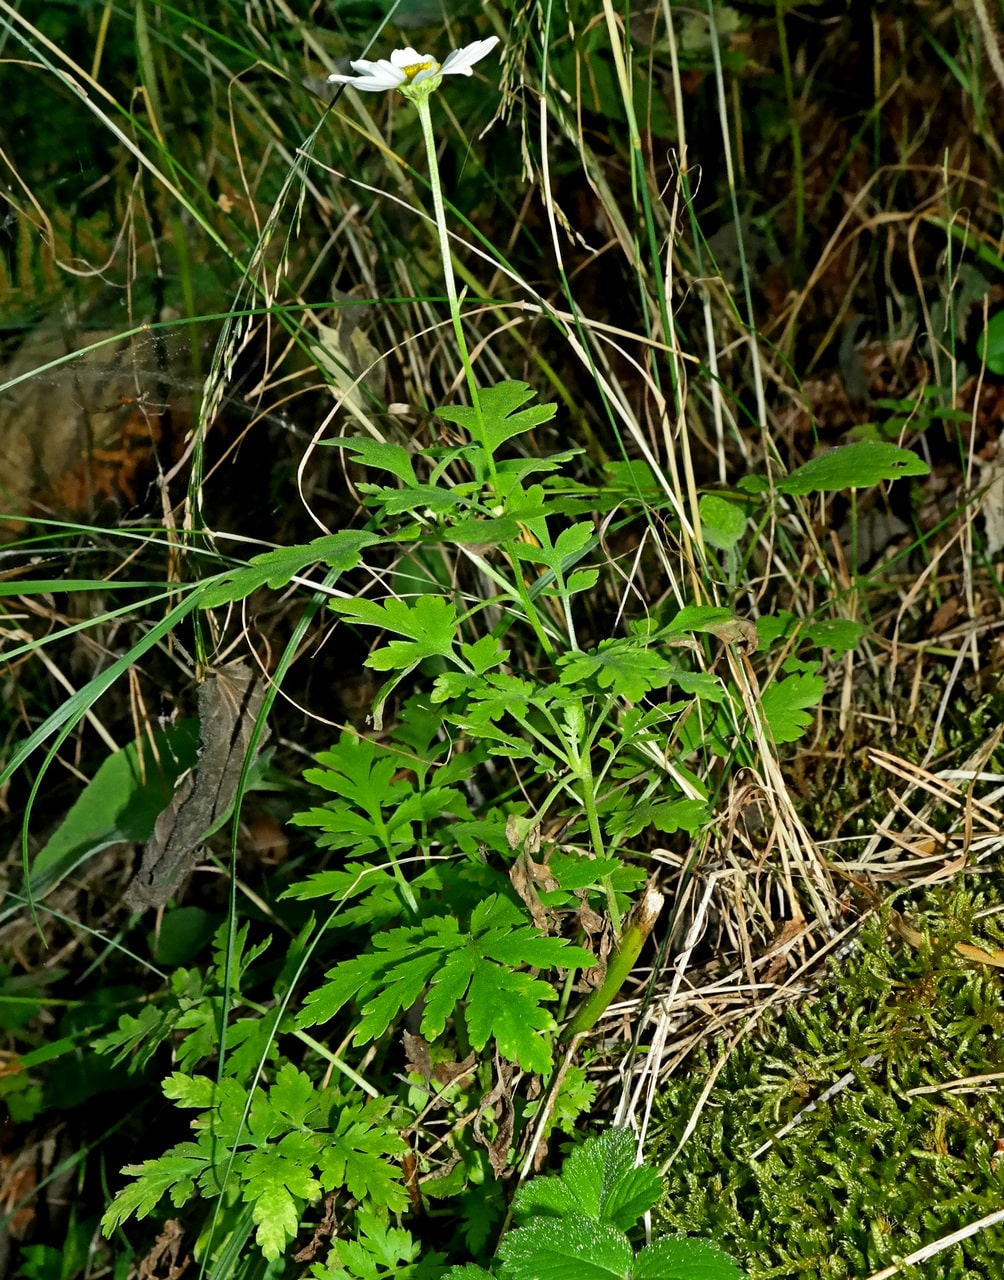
(230, 699)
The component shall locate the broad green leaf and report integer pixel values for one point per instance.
(342, 984)
(434, 497)
(701, 684)
(183, 933)
(565, 553)
(190, 1091)
(407, 978)
(698, 617)
(573, 539)
(784, 705)
(572, 1247)
(480, 531)
(683, 1259)
(486, 966)
(682, 814)
(508, 1008)
(853, 466)
(582, 580)
(360, 770)
(501, 412)
(723, 523)
(991, 343)
(293, 1095)
(339, 551)
(574, 872)
(772, 627)
(632, 476)
(484, 654)
(121, 803)
(377, 1251)
(600, 1180)
(839, 634)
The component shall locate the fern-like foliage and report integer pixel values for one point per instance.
(486, 968)
(281, 1149)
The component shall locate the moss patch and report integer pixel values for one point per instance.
(901, 1156)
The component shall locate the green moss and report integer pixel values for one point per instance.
(889, 1163)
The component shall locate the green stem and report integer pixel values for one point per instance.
(425, 120)
(619, 965)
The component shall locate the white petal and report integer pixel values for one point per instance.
(460, 61)
(375, 77)
(379, 70)
(409, 57)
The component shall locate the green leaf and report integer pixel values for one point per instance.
(340, 551)
(174, 1173)
(121, 803)
(190, 1091)
(839, 634)
(481, 531)
(508, 1007)
(853, 466)
(378, 1252)
(582, 580)
(600, 1180)
(698, 617)
(484, 654)
(293, 1095)
(567, 551)
(484, 966)
(435, 497)
(723, 523)
(684, 1259)
(620, 665)
(183, 933)
(991, 343)
(575, 872)
(701, 684)
(343, 983)
(784, 704)
(573, 1247)
(373, 810)
(380, 455)
(277, 1188)
(682, 814)
(431, 624)
(363, 1154)
(499, 405)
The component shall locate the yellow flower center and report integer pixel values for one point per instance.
(412, 71)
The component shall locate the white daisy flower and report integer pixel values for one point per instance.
(407, 69)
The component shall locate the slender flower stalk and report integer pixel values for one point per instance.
(417, 75)
(425, 120)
